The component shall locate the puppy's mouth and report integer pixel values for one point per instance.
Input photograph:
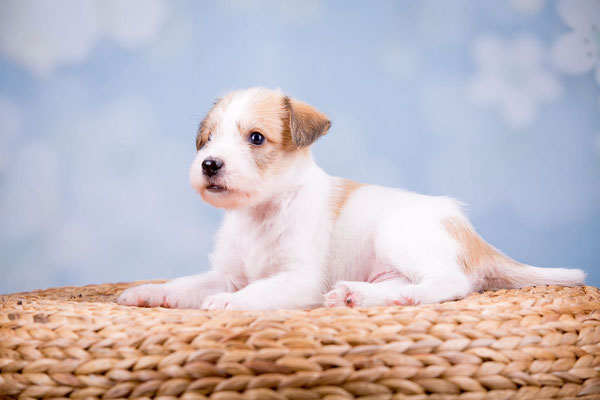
(216, 188)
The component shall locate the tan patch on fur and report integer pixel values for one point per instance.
(283, 121)
(288, 125)
(306, 123)
(265, 114)
(474, 250)
(206, 126)
(340, 193)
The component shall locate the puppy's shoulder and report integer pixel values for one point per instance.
(341, 190)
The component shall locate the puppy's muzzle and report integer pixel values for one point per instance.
(211, 166)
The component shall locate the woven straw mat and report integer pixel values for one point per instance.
(76, 342)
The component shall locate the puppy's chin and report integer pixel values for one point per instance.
(225, 192)
(221, 197)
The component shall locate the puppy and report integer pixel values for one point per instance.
(295, 237)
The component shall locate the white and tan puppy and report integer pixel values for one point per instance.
(295, 237)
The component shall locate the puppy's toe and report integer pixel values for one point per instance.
(340, 296)
(148, 295)
(403, 301)
(221, 301)
(350, 299)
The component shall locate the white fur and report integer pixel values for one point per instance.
(280, 246)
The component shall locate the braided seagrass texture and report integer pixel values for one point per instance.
(75, 342)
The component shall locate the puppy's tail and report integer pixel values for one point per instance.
(492, 269)
(508, 273)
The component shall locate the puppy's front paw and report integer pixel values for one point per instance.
(222, 301)
(148, 295)
(341, 296)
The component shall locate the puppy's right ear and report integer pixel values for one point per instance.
(205, 127)
(307, 124)
(202, 134)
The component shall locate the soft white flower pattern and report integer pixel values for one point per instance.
(528, 7)
(512, 78)
(578, 51)
(41, 35)
(10, 127)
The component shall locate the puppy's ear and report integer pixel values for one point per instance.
(205, 126)
(201, 135)
(306, 123)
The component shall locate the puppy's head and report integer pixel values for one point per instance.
(249, 143)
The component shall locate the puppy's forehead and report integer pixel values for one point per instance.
(234, 105)
(262, 108)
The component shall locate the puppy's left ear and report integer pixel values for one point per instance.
(307, 124)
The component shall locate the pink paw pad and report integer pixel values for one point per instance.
(405, 301)
(350, 300)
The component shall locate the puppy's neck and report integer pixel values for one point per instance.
(300, 175)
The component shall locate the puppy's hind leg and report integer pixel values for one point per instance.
(428, 260)
(433, 289)
(397, 292)
(433, 278)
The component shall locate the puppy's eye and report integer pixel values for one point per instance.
(257, 138)
(209, 137)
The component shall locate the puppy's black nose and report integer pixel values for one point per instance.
(211, 166)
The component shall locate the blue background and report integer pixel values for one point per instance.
(97, 138)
